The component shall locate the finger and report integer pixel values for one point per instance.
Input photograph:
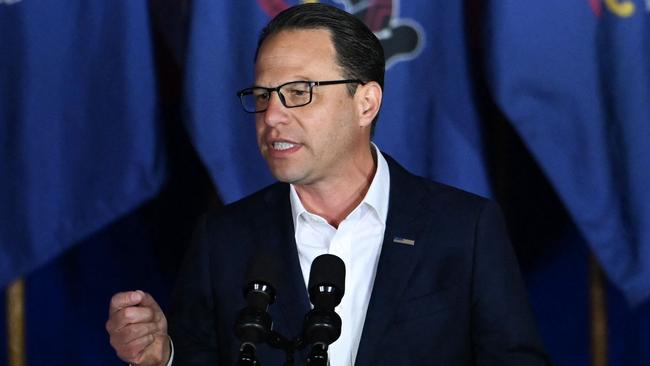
(135, 315)
(134, 331)
(130, 315)
(158, 315)
(148, 301)
(133, 351)
(143, 342)
(125, 299)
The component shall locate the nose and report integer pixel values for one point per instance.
(276, 112)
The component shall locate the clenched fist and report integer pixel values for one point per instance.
(138, 329)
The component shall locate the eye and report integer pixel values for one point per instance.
(261, 95)
(298, 92)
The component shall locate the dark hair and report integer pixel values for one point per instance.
(358, 52)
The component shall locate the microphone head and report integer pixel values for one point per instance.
(262, 279)
(326, 281)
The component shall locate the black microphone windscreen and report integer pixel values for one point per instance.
(263, 267)
(261, 283)
(327, 269)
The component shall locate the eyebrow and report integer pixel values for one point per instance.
(296, 78)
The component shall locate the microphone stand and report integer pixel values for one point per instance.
(253, 326)
(247, 356)
(277, 340)
(317, 355)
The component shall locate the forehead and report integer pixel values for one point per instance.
(291, 54)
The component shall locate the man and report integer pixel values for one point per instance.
(431, 277)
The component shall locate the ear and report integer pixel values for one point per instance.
(368, 97)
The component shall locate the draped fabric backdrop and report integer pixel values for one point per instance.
(119, 125)
(574, 81)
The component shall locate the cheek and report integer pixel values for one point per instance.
(346, 122)
(259, 128)
(259, 120)
(260, 142)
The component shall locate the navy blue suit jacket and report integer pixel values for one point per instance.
(453, 298)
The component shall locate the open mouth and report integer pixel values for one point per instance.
(282, 145)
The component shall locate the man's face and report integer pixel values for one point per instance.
(322, 140)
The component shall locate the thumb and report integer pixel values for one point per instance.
(147, 300)
(122, 300)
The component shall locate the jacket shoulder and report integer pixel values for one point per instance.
(404, 183)
(268, 198)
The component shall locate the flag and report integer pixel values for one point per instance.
(573, 79)
(429, 120)
(79, 136)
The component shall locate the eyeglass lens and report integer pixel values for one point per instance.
(294, 94)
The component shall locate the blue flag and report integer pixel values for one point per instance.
(428, 121)
(78, 124)
(573, 78)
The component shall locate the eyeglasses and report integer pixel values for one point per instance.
(292, 94)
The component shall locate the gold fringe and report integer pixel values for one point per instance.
(598, 314)
(15, 295)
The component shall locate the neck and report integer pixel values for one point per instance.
(335, 199)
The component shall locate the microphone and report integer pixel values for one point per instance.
(254, 323)
(322, 324)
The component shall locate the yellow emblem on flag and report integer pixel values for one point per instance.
(622, 8)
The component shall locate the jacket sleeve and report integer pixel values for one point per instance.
(192, 323)
(503, 326)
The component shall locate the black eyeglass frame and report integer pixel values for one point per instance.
(249, 91)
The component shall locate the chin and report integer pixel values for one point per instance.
(287, 177)
(282, 176)
(283, 172)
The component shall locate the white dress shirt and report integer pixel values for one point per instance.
(357, 241)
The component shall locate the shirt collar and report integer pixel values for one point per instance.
(376, 197)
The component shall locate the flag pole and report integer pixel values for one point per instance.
(598, 314)
(15, 298)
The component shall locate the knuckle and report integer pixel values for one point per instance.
(146, 314)
(109, 326)
(128, 331)
(116, 300)
(125, 354)
(133, 352)
(158, 317)
(126, 357)
(130, 313)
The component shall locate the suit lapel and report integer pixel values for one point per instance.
(406, 220)
(292, 300)
(399, 253)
